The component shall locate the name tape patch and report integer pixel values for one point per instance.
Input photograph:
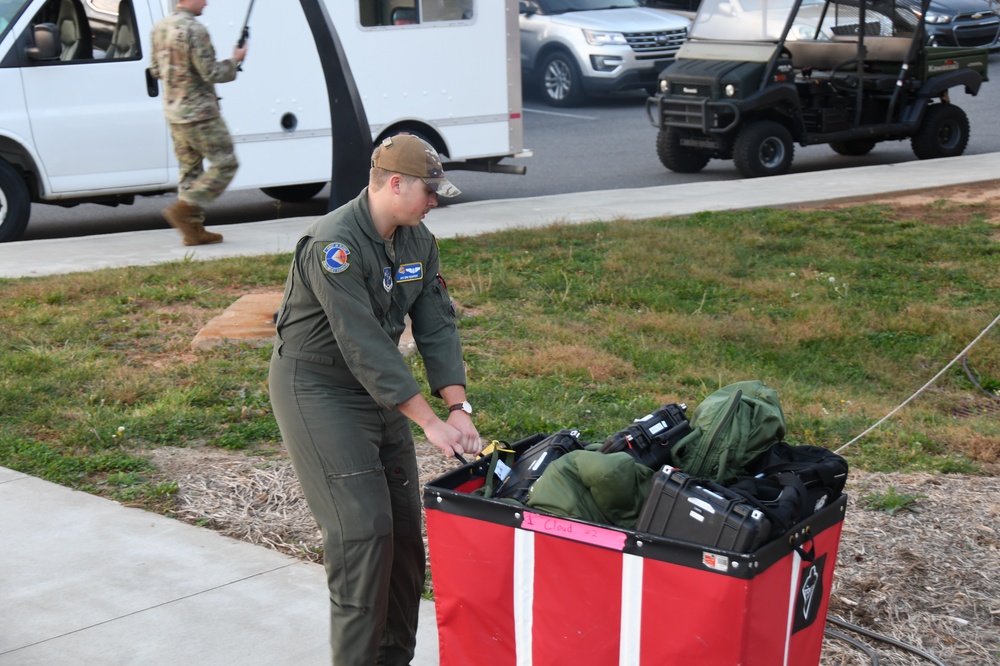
(410, 272)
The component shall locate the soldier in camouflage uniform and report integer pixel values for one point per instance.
(184, 59)
(342, 394)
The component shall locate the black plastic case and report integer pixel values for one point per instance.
(685, 508)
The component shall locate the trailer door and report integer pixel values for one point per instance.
(93, 123)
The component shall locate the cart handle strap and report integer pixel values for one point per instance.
(800, 540)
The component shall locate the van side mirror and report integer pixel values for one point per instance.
(47, 44)
(527, 8)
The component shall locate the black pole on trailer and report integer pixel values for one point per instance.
(351, 135)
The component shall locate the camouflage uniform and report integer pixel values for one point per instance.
(184, 59)
(335, 379)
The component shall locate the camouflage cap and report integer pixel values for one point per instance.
(409, 154)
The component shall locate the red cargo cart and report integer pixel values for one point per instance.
(515, 587)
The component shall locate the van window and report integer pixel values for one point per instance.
(92, 29)
(9, 11)
(411, 12)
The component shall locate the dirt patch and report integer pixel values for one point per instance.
(956, 204)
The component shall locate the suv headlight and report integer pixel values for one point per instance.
(602, 38)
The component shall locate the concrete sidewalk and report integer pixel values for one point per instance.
(84, 580)
(87, 581)
(143, 248)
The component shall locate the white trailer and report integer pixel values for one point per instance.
(81, 123)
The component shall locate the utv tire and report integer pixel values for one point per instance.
(853, 147)
(15, 203)
(763, 148)
(676, 157)
(294, 193)
(559, 80)
(944, 132)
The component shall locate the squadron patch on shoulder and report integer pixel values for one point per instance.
(410, 272)
(335, 258)
(387, 278)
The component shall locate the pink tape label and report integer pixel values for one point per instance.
(569, 529)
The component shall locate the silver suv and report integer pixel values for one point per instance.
(572, 48)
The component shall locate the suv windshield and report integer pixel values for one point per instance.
(563, 6)
(9, 9)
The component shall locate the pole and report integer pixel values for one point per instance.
(245, 32)
(352, 142)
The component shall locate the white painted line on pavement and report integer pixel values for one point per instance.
(556, 113)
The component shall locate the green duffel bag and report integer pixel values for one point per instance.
(730, 430)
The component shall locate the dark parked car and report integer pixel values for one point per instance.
(963, 23)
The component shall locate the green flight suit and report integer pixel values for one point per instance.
(335, 379)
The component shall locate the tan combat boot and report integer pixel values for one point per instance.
(200, 236)
(190, 221)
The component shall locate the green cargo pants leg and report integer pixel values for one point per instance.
(357, 468)
(194, 143)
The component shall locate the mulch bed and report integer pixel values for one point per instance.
(927, 577)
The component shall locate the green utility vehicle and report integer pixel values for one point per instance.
(757, 76)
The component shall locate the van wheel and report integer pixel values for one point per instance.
(560, 81)
(944, 132)
(15, 203)
(763, 148)
(853, 147)
(676, 157)
(293, 193)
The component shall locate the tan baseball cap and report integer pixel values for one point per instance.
(409, 154)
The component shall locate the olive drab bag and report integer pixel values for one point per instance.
(731, 429)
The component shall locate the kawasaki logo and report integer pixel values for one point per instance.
(946, 66)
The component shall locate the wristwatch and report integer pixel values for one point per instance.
(463, 406)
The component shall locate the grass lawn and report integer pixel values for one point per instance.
(846, 313)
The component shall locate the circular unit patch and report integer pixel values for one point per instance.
(335, 258)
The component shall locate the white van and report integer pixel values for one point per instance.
(80, 122)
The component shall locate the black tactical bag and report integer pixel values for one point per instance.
(650, 439)
(791, 483)
(529, 465)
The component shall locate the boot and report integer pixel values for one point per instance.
(189, 220)
(199, 236)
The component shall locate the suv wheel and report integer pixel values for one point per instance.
(676, 157)
(15, 203)
(944, 132)
(763, 148)
(853, 147)
(559, 80)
